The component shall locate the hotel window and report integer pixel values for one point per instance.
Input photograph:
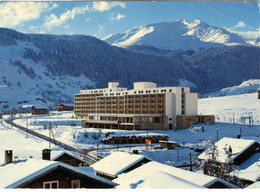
(51, 185)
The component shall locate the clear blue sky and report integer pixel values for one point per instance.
(100, 19)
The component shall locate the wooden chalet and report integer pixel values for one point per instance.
(168, 144)
(39, 111)
(1, 116)
(33, 173)
(240, 150)
(63, 107)
(62, 156)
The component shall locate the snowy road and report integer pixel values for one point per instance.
(54, 141)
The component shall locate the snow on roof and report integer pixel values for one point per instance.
(158, 175)
(36, 153)
(254, 185)
(238, 146)
(57, 152)
(250, 169)
(30, 168)
(117, 162)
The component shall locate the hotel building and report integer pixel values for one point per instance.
(146, 106)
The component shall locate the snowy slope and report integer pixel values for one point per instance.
(174, 35)
(232, 109)
(23, 79)
(250, 86)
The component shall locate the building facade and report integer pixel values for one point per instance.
(146, 106)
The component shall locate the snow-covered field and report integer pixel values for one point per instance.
(232, 115)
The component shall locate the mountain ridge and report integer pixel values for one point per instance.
(179, 34)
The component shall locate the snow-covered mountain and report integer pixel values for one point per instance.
(55, 67)
(176, 35)
(255, 42)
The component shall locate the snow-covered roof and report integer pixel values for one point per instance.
(250, 169)
(36, 153)
(117, 162)
(158, 175)
(40, 106)
(30, 168)
(238, 146)
(254, 185)
(57, 152)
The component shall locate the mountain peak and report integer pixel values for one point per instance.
(179, 34)
(183, 21)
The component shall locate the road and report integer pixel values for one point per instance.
(90, 159)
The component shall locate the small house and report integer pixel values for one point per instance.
(63, 107)
(117, 163)
(241, 150)
(168, 144)
(35, 173)
(62, 156)
(258, 94)
(1, 116)
(154, 175)
(249, 170)
(39, 111)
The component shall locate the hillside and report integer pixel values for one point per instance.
(250, 86)
(55, 67)
(176, 35)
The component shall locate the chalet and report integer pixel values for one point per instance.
(258, 94)
(1, 116)
(168, 144)
(53, 154)
(63, 107)
(35, 173)
(241, 150)
(117, 163)
(62, 156)
(249, 170)
(157, 175)
(39, 111)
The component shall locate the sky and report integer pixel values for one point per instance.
(100, 19)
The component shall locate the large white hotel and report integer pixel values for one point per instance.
(146, 106)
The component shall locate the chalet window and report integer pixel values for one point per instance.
(51, 185)
(75, 184)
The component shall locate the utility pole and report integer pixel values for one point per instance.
(97, 146)
(178, 154)
(217, 133)
(49, 134)
(26, 126)
(190, 163)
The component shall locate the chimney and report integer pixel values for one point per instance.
(46, 154)
(8, 156)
